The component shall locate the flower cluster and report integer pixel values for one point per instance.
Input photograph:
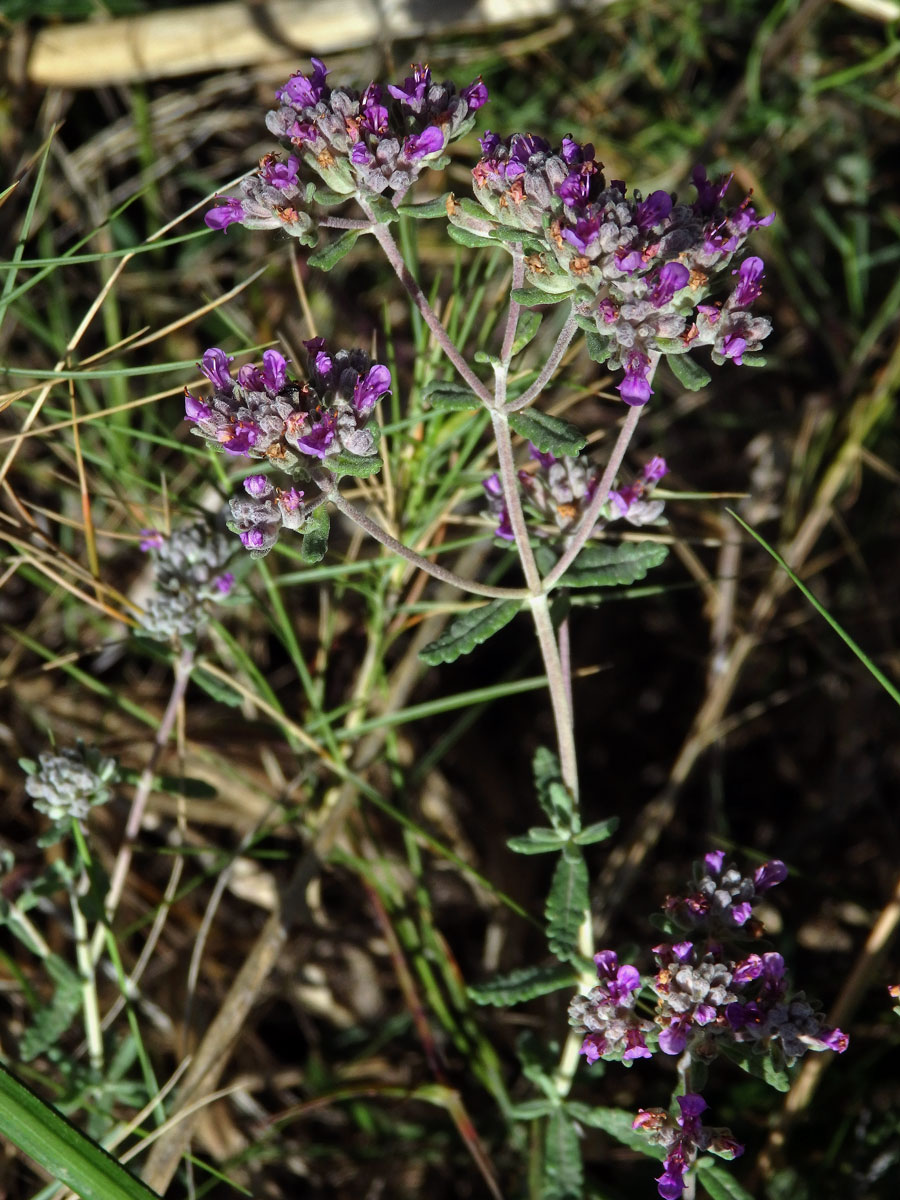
(67, 785)
(684, 1137)
(711, 994)
(264, 413)
(365, 143)
(557, 491)
(640, 267)
(189, 576)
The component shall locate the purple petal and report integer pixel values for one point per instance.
(274, 370)
(152, 539)
(369, 390)
(257, 485)
(653, 210)
(224, 583)
(195, 409)
(215, 367)
(714, 860)
(224, 214)
(429, 141)
(476, 94)
(770, 874)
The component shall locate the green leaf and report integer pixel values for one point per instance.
(529, 324)
(553, 795)
(470, 630)
(315, 535)
(765, 1065)
(327, 198)
(217, 688)
(567, 904)
(360, 466)
(549, 434)
(537, 840)
(688, 373)
(67, 1155)
(599, 348)
(598, 832)
(617, 1122)
(528, 297)
(604, 565)
(523, 984)
(530, 1110)
(51, 1021)
(465, 237)
(333, 252)
(719, 1183)
(427, 211)
(588, 324)
(450, 397)
(563, 1172)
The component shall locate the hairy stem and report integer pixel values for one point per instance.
(592, 512)
(553, 360)
(183, 666)
(386, 241)
(371, 527)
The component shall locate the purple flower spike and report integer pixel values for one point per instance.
(225, 214)
(274, 370)
(476, 94)
(369, 390)
(215, 367)
(195, 409)
(635, 388)
(429, 141)
(770, 874)
(671, 279)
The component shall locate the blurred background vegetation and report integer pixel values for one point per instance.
(716, 709)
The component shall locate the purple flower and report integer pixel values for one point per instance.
(709, 194)
(741, 913)
(671, 279)
(195, 409)
(635, 388)
(317, 441)
(652, 473)
(653, 210)
(750, 286)
(322, 362)
(252, 538)
(305, 90)
(620, 982)
(224, 583)
(257, 485)
(215, 367)
(360, 155)
(692, 1105)
(224, 214)
(593, 1047)
(733, 347)
(584, 234)
(637, 1047)
(412, 90)
(770, 874)
(429, 141)
(238, 437)
(281, 175)
(673, 1039)
(152, 539)
(476, 94)
(670, 1184)
(274, 370)
(290, 500)
(835, 1040)
(375, 116)
(370, 389)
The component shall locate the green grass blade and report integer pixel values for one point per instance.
(822, 611)
(57, 1146)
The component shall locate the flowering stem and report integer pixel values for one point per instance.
(345, 223)
(553, 360)
(416, 560)
(183, 666)
(386, 241)
(512, 317)
(84, 958)
(592, 512)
